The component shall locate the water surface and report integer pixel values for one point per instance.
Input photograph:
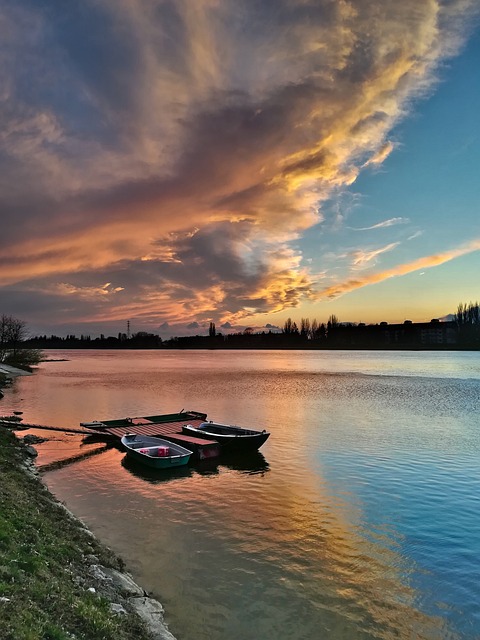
(359, 518)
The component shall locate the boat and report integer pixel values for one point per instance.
(155, 452)
(230, 437)
(126, 423)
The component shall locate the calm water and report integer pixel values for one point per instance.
(360, 518)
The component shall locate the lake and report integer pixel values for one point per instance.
(359, 518)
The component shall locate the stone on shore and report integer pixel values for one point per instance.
(151, 612)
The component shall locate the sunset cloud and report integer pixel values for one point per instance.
(181, 150)
(426, 262)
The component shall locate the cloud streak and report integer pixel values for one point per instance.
(382, 225)
(427, 262)
(363, 258)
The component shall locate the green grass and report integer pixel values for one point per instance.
(43, 571)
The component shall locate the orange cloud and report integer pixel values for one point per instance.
(422, 263)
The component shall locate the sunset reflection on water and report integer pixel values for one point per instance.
(337, 528)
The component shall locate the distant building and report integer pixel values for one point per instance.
(420, 333)
(436, 332)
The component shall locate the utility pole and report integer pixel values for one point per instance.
(128, 329)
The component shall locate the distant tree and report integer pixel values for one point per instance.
(212, 331)
(305, 328)
(322, 331)
(333, 321)
(332, 325)
(13, 332)
(288, 327)
(467, 320)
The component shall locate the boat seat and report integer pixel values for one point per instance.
(156, 451)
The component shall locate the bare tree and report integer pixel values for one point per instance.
(332, 325)
(287, 327)
(17, 332)
(13, 332)
(305, 328)
(333, 321)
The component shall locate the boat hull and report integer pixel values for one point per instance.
(155, 453)
(230, 438)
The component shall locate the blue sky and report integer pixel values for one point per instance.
(173, 164)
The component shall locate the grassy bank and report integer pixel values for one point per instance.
(45, 564)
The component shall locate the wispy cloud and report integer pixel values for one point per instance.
(417, 234)
(361, 258)
(380, 155)
(382, 225)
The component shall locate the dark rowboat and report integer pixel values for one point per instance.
(155, 452)
(230, 437)
(182, 416)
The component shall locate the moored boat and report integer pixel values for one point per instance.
(155, 452)
(153, 421)
(230, 437)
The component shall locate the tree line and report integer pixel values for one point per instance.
(18, 349)
(139, 340)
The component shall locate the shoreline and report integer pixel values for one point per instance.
(93, 579)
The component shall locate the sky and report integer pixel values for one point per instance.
(176, 163)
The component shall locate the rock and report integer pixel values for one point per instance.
(123, 583)
(30, 468)
(33, 439)
(97, 572)
(151, 612)
(91, 559)
(4, 599)
(118, 609)
(92, 590)
(31, 451)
